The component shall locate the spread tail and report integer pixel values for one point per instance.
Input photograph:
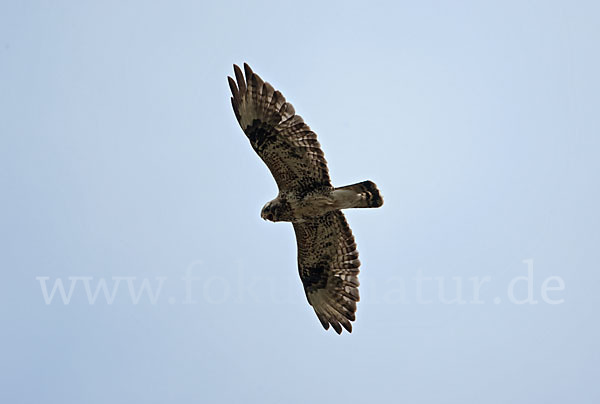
(362, 195)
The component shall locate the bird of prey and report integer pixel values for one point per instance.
(327, 256)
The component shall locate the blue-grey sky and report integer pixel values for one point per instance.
(121, 162)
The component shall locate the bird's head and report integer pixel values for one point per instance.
(272, 211)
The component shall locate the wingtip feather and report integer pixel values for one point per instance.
(239, 76)
(247, 70)
(233, 87)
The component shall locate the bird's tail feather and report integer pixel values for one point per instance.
(362, 195)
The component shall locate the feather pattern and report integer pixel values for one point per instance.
(328, 264)
(285, 143)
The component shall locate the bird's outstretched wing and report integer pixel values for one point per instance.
(328, 265)
(279, 136)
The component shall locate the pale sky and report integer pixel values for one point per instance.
(122, 165)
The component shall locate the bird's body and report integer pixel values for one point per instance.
(293, 206)
(327, 258)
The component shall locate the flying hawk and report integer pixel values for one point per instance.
(327, 256)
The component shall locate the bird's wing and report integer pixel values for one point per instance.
(279, 136)
(328, 265)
